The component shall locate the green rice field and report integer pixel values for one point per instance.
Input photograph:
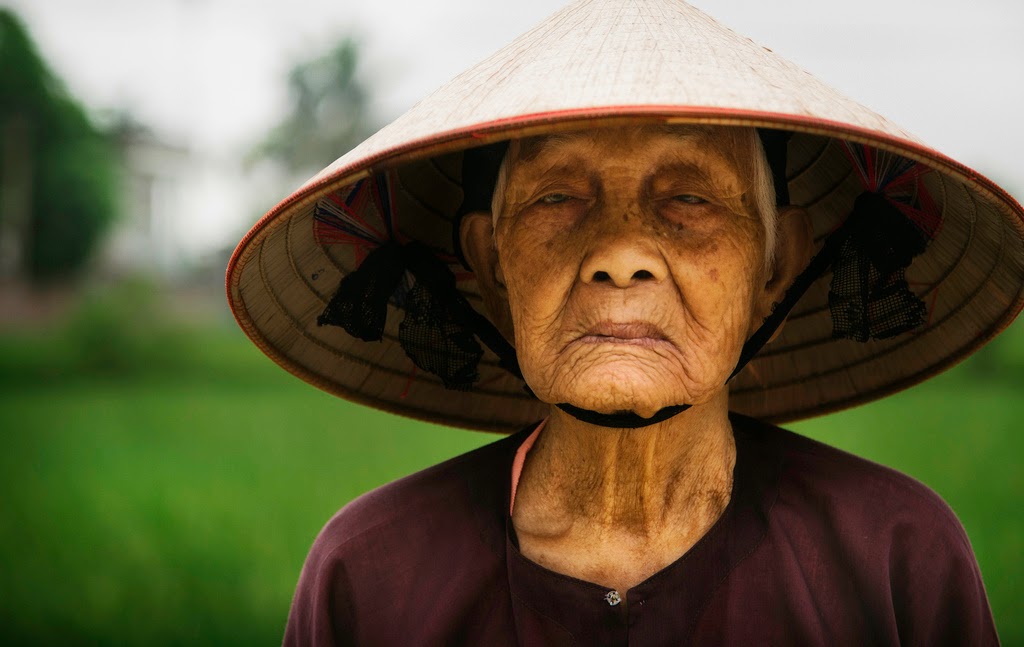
(167, 495)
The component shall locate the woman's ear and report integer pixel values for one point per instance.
(793, 248)
(476, 236)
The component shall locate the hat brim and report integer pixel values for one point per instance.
(970, 277)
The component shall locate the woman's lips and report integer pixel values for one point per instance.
(637, 333)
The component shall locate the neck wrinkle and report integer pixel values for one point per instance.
(640, 481)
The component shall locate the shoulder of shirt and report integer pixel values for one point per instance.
(812, 470)
(426, 498)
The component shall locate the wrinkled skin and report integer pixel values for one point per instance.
(592, 248)
(629, 266)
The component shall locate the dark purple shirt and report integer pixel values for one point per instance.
(816, 547)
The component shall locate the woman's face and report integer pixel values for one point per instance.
(634, 265)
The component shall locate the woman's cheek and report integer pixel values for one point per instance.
(537, 288)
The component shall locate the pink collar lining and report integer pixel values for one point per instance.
(517, 463)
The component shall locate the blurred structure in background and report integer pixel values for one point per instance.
(154, 174)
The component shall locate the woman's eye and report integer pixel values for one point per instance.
(554, 198)
(689, 199)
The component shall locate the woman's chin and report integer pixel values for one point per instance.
(619, 394)
(641, 385)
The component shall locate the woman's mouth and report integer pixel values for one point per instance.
(636, 333)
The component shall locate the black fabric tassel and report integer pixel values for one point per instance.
(360, 304)
(436, 342)
(869, 297)
(435, 332)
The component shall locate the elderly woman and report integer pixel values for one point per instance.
(630, 251)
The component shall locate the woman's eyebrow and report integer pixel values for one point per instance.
(535, 176)
(701, 176)
(553, 165)
(688, 169)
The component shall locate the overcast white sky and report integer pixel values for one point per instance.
(209, 73)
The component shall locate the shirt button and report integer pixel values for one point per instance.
(612, 598)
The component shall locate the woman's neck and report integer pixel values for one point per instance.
(642, 482)
(616, 506)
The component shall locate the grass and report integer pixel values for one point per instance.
(167, 511)
(172, 500)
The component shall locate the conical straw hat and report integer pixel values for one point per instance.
(610, 62)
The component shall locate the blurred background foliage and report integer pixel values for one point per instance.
(57, 170)
(328, 112)
(161, 480)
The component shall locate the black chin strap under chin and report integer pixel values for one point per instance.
(628, 420)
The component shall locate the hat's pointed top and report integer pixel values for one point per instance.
(596, 56)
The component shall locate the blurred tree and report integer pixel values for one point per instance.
(329, 112)
(57, 171)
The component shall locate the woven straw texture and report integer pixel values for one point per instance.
(606, 62)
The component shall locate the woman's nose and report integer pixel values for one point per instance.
(622, 259)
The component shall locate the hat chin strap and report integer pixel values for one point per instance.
(627, 420)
